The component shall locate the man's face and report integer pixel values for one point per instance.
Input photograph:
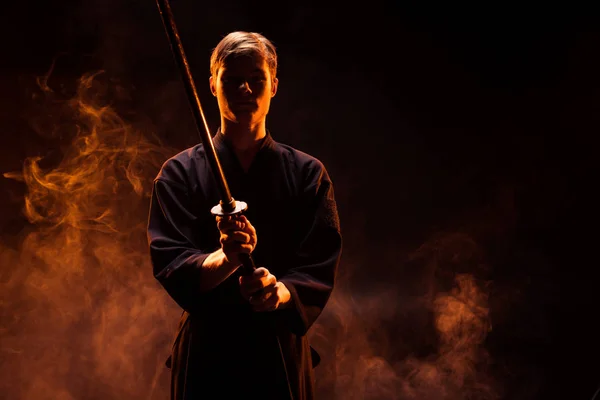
(244, 87)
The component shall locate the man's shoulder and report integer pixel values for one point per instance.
(177, 167)
(304, 166)
(298, 158)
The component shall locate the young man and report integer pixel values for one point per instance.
(240, 335)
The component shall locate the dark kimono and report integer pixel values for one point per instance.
(224, 350)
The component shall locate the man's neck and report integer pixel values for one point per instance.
(245, 140)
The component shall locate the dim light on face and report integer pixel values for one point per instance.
(244, 87)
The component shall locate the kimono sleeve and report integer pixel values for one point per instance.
(176, 250)
(311, 279)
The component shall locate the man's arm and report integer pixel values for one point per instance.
(311, 279)
(215, 269)
(188, 263)
(237, 236)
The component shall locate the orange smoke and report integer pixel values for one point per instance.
(438, 352)
(83, 317)
(87, 320)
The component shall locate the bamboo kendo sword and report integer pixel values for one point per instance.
(227, 206)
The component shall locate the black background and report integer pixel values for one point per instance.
(428, 118)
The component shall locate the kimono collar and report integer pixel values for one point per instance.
(221, 142)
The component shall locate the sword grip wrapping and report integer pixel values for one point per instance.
(248, 265)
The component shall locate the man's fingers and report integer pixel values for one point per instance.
(261, 296)
(225, 225)
(252, 288)
(256, 275)
(259, 273)
(257, 281)
(248, 227)
(237, 236)
(236, 222)
(235, 247)
(269, 304)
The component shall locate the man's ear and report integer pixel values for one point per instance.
(213, 88)
(274, 87)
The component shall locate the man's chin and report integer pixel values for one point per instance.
(244, 110)
(245, 115)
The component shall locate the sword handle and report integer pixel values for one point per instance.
(235, 208)
(248, 265)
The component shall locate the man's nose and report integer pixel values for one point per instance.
(245, 86)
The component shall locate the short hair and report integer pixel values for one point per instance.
(243, 43)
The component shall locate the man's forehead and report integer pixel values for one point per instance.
(245, 62)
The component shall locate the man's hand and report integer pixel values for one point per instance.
(237, 236)
(263, 291)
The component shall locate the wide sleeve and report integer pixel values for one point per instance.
(177, 245)
(312, 276)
